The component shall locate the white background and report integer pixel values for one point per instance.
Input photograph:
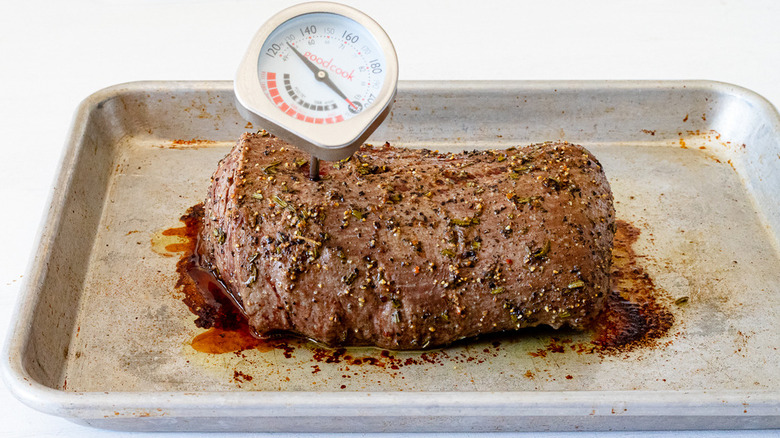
(55, 53)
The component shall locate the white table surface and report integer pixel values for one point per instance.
(55, 53)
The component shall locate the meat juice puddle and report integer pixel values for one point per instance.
(633, 316)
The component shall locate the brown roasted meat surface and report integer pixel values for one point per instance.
(409, 248)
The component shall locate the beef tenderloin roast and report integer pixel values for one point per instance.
(410, 248)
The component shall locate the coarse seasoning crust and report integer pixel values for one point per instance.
(409, 248)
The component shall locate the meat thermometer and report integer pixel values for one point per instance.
(321, 76)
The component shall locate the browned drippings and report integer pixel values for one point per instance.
(632, 317)
(218, 341)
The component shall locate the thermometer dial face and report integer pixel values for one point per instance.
(321, 68)
(321, 76)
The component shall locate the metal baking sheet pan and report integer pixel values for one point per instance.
(102, 337)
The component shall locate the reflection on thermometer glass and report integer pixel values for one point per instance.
(321, 68)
